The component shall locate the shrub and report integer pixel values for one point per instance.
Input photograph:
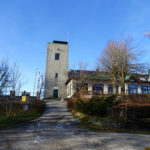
(95, 106)
(70, 104)
(110, 100)
(80, 106)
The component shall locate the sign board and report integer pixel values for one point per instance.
(24, 98)
(26, 107)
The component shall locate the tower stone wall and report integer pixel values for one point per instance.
(56, 70)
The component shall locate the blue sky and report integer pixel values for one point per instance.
(27, 25)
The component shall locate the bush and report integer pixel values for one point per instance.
(95, 106)
(110, 100)
(147, 148)
(82, 106)
(70, 104)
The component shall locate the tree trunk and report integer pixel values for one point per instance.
(114, 87)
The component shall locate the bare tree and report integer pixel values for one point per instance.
(10, 79)
(108, 62)
(82, 76)
(15, 76)
(16, 79)
(4, 74)
(41, 87)
(119, 59)
(79, 76)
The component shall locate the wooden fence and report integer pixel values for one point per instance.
(4, 98)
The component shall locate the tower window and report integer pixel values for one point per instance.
(56, 75)
(57, 55)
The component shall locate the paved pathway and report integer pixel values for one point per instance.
(57, 130)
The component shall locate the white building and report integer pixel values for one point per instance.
(101, 84)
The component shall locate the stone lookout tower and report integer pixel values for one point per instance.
(56, 70)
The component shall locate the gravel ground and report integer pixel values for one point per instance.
(58, 130)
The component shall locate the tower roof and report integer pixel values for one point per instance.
(60, 42)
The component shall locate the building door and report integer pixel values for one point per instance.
(55, 93)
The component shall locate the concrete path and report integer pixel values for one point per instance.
(57, 130)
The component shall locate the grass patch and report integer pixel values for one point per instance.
(107, 125)
(147, 148)
(19, 115)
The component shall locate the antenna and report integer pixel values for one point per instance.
(68, 37)
(38, 85)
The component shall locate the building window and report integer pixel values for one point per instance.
(110, 89)
(98, 88)
(117, 89)
(145, 89)
(57, 55)
(132, 88)
(56, 75)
